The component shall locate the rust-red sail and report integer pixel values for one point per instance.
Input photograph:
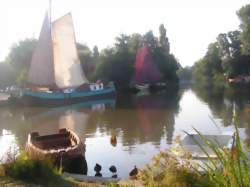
(146, 70)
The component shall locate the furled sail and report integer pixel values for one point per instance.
(68, 70)
(41, 72)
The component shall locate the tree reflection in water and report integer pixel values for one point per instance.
(223, 102)
(140, 120)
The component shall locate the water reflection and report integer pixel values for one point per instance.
(140, 127)
(130, 130)
(9, 148)
(231, 105)
(77, 165)
(222, 101)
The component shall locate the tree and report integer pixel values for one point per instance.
(166, 62)
(116, 64)
(163, 40)
(235, 43)
(86, 59)
(233, 61)
(150, 40)
(95, 52)
(185, 74)
(224, 45)
(244, 16)
(213, 58)
(121, 43)
(20, 57)
(209, 69)
(6, 74)
(134, 43)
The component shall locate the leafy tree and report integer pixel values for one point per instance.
(117, 63)
(209, 69)
(229, 57)
(6, 74)
(134, 43)
(150, 39)
(166, 62)
(20, 57)
(224, 45)
(87, 60)
(244, 16)
(163, 40)
(185, 74)
(233, 62)
(213, 58)
(235, 43)
(95, 52)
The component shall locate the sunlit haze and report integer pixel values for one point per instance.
(191, 25)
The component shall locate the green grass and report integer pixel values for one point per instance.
(26, 171)
(230, 169)
(33, 171)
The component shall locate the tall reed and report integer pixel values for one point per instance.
(231, 168)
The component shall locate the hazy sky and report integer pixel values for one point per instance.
(191, 24)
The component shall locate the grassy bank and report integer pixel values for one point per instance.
(230, 169)
(174, 167)
(25, 171)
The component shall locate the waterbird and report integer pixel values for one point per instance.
(113, 140)
(98, 174)
(97, 169)
(133, 172)
(113, 170)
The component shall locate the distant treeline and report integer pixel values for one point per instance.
(228, 56)
(111, 64)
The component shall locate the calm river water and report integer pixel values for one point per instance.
(143, 124)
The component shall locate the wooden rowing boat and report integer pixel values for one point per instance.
(64, 144)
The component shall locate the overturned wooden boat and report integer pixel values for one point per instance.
(192, 143)
(64, 144)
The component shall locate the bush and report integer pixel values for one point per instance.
(167, 170)
(33, 171)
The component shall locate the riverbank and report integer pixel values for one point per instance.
(173, 167)
(26, 171)
(9, 182)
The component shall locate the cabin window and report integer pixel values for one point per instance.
(96, 87)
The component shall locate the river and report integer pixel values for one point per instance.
(143, 124)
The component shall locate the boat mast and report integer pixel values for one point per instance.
(50, 16)
(50, 32)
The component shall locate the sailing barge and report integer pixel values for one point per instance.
(55, 75)
(65, 144)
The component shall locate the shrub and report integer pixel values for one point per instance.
(33, 171)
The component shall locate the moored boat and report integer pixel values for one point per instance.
(64, 144)
(55, 74)
(147, 78)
